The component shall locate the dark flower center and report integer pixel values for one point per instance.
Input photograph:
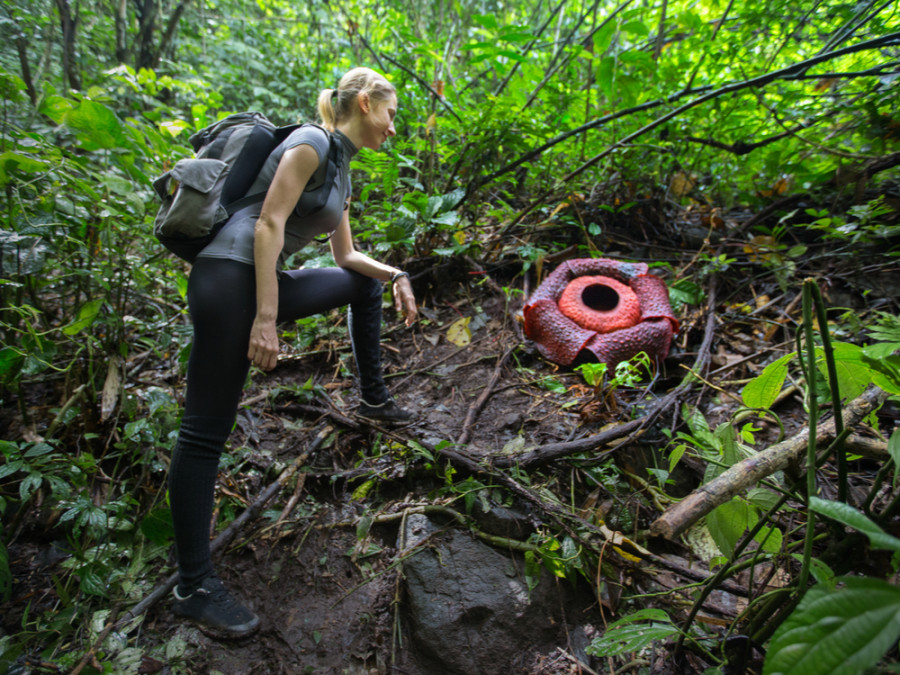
(600, 298)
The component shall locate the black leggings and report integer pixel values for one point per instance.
(222, 302)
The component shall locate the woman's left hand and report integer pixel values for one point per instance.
(405, 299)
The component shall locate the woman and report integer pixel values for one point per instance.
(237, 293)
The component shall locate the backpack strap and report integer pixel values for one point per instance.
(333, 160)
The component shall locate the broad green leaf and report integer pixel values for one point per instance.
(884, 364)
(86, 316)
(55, 107)
(769, 539)
(31, 483)
(38, 449)
(606, 74)
(9, 360)
(95, 123)
(636, 28)
(762, 390)
(687, 292)
(852, 374)
(633, 633)
(839, 632)
(846, 514)
(728, 522)
(486, 20)
(14, 161)
(10, 468)
(157, 525)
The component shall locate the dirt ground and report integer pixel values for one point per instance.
(326, 605)
(332, 601)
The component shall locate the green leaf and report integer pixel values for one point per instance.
(486, 20)
(55, 107)
(853, 375)
(10, 359)
(728, 522)
(95, 124)
(769, 539)
(687, 292)
(31, 483)
(885, 366)
(86, 316)
(894, 451)
(38, 449)
(11, 467)
(13, 161)
(636, 28)
(762, 390)
(846, 514)
(632, 633)
(157, 526)
(840, 632)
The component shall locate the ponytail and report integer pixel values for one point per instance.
(326, 106)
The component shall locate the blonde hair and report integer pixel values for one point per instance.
(337, 104)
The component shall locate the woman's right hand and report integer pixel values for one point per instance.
(263, 350)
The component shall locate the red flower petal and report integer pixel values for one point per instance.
(603, 308)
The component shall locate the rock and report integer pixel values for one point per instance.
(469, 603)
(502, 522)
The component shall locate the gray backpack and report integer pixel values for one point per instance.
(199, 195)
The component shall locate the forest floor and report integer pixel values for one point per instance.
(332, 597)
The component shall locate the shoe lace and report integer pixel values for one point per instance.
(215, 590)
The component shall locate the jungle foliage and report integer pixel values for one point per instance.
(515, 120)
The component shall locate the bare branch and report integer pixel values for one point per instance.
(755, 82)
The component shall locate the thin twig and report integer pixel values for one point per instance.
(486, 392)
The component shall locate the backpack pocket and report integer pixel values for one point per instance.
(190, 194)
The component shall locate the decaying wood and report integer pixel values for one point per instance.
(874, 448)
(753, 469)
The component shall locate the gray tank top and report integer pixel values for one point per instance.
(235, 240)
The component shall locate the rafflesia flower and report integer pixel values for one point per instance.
(595, 308)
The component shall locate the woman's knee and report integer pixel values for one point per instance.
(368, 288)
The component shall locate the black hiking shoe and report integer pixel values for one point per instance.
(385, 413)
(215, 610)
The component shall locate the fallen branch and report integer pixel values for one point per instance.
(229, 533)
(750, 471)
(554, 451)
(476, 407)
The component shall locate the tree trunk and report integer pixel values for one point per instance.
(121, 30)
(146, 11)
(166, 42)
(69, 25)
(22, 48)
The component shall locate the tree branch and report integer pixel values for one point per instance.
(759, 81)
(169, 33)
(753, 469)
(427, 86)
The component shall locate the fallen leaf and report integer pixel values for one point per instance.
(458, 333)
